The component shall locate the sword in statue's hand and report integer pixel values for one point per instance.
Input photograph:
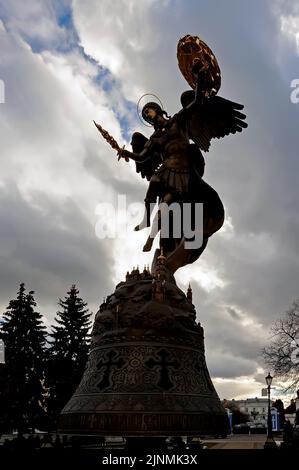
(111, 141)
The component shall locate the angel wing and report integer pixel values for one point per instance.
(215, 117)
(147, 168)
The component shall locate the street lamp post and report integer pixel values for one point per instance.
(270, 443)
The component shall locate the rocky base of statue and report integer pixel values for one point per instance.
(146, 374)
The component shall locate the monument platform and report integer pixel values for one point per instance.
(146, 374)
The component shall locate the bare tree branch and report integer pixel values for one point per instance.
(283, 344)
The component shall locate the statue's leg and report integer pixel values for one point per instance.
(156, 225)
(146, 221)
(150, 202)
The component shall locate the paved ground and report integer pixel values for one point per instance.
(240, 441)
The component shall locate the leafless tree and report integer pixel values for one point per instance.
(282, 353)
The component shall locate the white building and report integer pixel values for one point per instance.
(255, 408)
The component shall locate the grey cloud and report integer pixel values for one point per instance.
(255, 173)
(134, 188)
(37, 22)
(233, 313)
(49, 247)
(230, 367)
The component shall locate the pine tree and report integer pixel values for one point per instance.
(4, 418)
(68, 351)
(24, 337)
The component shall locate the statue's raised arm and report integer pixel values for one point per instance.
(209, 116)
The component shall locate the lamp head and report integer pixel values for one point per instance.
(269, 379)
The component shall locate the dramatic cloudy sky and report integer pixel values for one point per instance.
(65, 63)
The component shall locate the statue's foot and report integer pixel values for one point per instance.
(141, 226)
(148, 245)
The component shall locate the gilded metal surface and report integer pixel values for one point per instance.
(108, 137)
(192, 50)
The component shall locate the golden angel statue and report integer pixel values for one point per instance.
(171, 158)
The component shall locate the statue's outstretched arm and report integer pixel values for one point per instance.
(137, 157)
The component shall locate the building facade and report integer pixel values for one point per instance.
(256, 409)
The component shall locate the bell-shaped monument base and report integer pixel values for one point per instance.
(146, 374)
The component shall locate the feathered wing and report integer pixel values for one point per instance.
(215, 117)
(153, 159)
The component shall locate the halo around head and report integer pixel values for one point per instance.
(143, 100)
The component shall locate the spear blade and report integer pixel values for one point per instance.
(107, 136)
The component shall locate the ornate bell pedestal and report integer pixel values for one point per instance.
(146, 374)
